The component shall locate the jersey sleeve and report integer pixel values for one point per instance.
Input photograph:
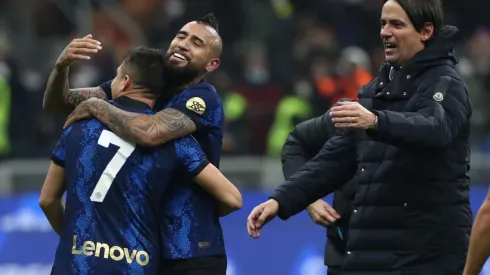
(106, 87)
(190, 156)
(202, 104)
(59, 153)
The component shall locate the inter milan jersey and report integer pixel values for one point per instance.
(191, 225)
(113, 214)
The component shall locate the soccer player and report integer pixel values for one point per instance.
(196, 108)
(115, 189)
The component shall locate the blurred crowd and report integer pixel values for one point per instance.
(284, 61)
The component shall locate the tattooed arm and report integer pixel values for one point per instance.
(146, 130)
(196, 108)
(60, 99)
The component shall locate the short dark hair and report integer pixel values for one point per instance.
(210, 20)
(146, 67)
(423, 11)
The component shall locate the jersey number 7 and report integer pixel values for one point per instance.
(113, 167)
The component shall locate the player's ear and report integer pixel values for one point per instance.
(213, 65)
(126, 83)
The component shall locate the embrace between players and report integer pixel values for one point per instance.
(143, 196)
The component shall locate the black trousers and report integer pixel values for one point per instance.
(213, 265)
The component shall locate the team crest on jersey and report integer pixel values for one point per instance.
(196, 104)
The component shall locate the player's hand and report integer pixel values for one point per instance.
(82, 111)
(352, 115)
(322, 213)
(78, 49)
(260, 216)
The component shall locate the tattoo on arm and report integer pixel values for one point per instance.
(170, 124)
(147, 130)
(59, 99)
(77, 96)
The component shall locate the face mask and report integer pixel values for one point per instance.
(303, 89)
(257, 76)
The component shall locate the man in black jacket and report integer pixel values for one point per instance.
(407, 142)
(302, 144)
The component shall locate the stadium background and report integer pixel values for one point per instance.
(284, 61)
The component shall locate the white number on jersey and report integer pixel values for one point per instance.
(113, 167)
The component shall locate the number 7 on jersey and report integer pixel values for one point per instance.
(113, 167)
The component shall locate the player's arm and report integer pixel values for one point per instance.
(305, 141)
(216, 184)
(331, 168)
(302, 144)
(194, 108)
(51, 199)
(63, 101)
(146, 130)
(193, 160)
(58, 97)
(479, 249)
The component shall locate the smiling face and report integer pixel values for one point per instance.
(400, 38)
(194, 51)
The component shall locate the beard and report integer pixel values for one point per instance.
(179, 76)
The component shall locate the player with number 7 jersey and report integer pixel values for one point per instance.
(112, 198)
(114, 192)
(108, 224)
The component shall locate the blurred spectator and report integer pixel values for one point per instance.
(291, 110)
(275, 53)
(235, 138)
(476, 70)
(50, 20)
(322, 71)
(353, 73)
(313, 38)
(261, 94)
(9, 82)
(4, 116)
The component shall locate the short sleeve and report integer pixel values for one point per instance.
(59, 152)
(190, 155)
(202, 104)
(106, 87)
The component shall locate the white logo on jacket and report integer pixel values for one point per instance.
(438, 97)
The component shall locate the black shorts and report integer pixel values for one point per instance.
(212, 265)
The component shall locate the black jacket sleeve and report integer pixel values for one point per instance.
(304, 142)
(332, 167)
(443, 109)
